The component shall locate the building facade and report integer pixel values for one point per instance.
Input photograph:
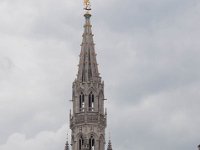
(88, 118)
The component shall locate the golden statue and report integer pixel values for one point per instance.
(87, 4)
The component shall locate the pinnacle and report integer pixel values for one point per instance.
(67, 145)
(109, 145)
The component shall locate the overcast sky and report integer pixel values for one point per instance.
(148, 55)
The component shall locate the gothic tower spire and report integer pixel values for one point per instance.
(88, 117)
(88, 69)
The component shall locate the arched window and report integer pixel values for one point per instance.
(82, 102)
(81, 142)
(91, 102)
(91, 143)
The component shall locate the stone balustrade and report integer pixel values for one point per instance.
(88, 118)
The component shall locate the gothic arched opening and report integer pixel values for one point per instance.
(91, 102)
(82, 102)
(80, 143)
(91, 143)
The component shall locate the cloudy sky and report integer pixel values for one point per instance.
(148, 55)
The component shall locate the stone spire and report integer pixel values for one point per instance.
(88, 68)
(88, 119)
(109, 145)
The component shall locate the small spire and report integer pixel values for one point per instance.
(67, 144)
(109, 143)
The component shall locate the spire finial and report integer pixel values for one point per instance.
(87, 5)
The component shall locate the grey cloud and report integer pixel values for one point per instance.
(43, 140)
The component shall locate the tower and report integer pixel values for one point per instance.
(88, 117)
